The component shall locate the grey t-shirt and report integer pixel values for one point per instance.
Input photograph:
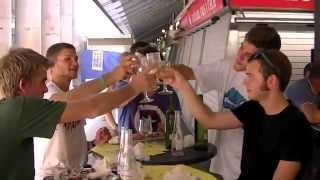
(300, 92)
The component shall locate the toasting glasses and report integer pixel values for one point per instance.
(149, 65)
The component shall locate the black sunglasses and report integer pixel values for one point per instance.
(262, 56)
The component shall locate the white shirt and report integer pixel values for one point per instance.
(222, 77)
(66, 149)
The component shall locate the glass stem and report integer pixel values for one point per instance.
(146, 95)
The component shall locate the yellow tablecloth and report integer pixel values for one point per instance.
(156, 172)
(152, 172)
(110, 151)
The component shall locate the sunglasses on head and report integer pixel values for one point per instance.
(262, 56)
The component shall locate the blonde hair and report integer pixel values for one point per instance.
(18, 64)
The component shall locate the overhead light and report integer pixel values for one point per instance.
(273, 20)
(271, 14)
(273, 17)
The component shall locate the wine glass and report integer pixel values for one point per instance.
(145, 126)
(144, 69)
(154, 60)
(149, 65)
(165, 90)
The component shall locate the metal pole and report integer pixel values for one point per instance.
(316, 54)
(5, 26)
(28, 24)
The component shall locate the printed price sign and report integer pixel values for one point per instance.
(97, 60)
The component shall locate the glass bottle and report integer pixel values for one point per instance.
(169, 123)
(177, 136)
(121, 149)
(128, 159)
(200, 135)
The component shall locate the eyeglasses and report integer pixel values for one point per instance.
(262, 56)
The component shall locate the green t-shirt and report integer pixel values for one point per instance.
(21, 119)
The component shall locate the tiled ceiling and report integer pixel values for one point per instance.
(144, 19)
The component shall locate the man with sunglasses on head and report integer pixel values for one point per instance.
(226, 78)
(276, 141)
(304, 93)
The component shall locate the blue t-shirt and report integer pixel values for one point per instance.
(300, 92)
(131, 113)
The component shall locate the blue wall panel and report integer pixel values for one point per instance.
(110, 61)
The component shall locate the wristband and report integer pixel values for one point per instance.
(103, 82)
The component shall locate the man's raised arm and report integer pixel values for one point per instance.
(101, 103)
(208, 118)
(97, 85)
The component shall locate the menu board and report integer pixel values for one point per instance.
(198, 11)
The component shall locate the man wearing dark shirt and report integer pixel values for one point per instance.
(134, 111)
(305, 94)
(276, 134)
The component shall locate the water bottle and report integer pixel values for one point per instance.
(128, 158)
(120, 154)
(177, 136)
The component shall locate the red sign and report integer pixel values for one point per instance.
(198, 11)
(303, 5)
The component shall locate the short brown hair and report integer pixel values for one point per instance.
(20, 63)
(148, 49)
(306, 69)
(55, 49)
(275, 62)
(263, 36)
(314, 70)
(138, 44)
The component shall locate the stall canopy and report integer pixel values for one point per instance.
(143, 19)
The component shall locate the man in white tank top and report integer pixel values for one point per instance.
(68, 147)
